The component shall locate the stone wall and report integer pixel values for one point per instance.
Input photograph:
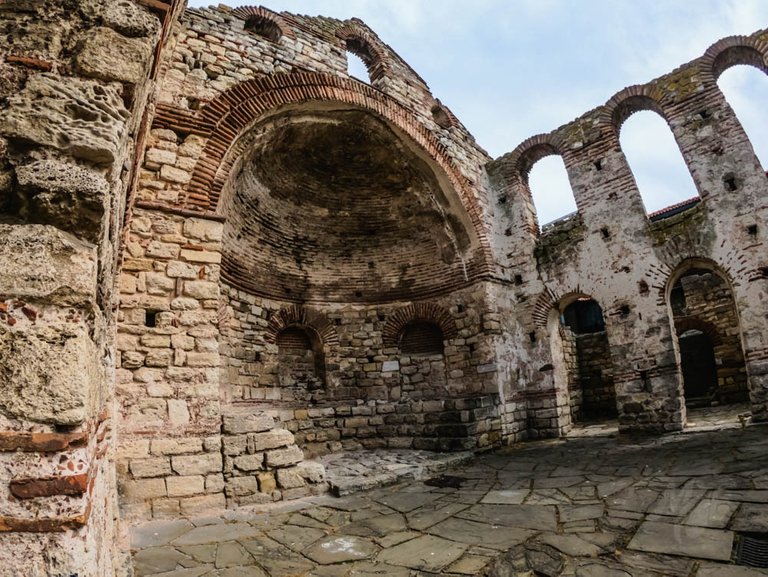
(373, 396)
(595, 377)
(75, 79)
(611, 251)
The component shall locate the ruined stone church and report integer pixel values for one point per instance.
(221, 256)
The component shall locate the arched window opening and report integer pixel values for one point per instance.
(664, 181)
(264, 27)
(421, 338)
(588, 361)
(746, 90)
(301, 366)
(422, 361)
(551, 190)
(356, 67)
(707, 329)
(584, 316)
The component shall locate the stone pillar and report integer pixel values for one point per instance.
(74, 82)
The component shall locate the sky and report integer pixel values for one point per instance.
(510, 69)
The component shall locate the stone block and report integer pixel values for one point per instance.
(49, 111)
(158, 156)
(173, 174)
(68, 196)
(48, 373)
(152, 467)
(214, 483)
(311, 471)
(239, 486)
(178, 446)
(157, 249)
(144, 489)
(234, 445)
(267, 481)
(289, 478)
(178, 412)
(269, 440)
(201, 289)
(238, 424)
(203, 229)
(40, 262)
(108, 55)
(178, 269)
(125, 17)
(249, 463)
(196, 359)
(284, 457)
(184, 486)
(195, 506)
(196, 464)
(201, 256)
(390, 366)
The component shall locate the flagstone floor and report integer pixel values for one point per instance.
(586, 506)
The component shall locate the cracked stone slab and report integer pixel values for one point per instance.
(427, 553)
(712, 513)
(506, 496)
(752, 518)
(215, 533)
(158, 533)
(685, 540)
(424, 517)
(537, 517)
(406, 502)
(569, 513)
(341, 548)
(296, 538)
(677, 502)
(475, 533)
(571, 545)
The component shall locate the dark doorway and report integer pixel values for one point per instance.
(707, 325)
(588, 359)
(697, 357)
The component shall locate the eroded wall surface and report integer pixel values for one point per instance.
(610, 250)
(282, 201)
(311, 262)
(75, 79)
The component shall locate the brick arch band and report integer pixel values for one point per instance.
(301, 316)
(427, 312)
(732, 51)
(225, 119)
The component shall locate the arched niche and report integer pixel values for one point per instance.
(707, 330)
(301, 363)
(332, 203)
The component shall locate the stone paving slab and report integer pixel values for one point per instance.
(584, 507)
(686, 541)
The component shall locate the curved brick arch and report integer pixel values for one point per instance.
(695, 262)
(705, 327)
(533, 149)
(543, 305)
(228, 117)
(297, 315)
(633, 99)
(358, 41)
(418, 312)
(733, 51)
(261, 14)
